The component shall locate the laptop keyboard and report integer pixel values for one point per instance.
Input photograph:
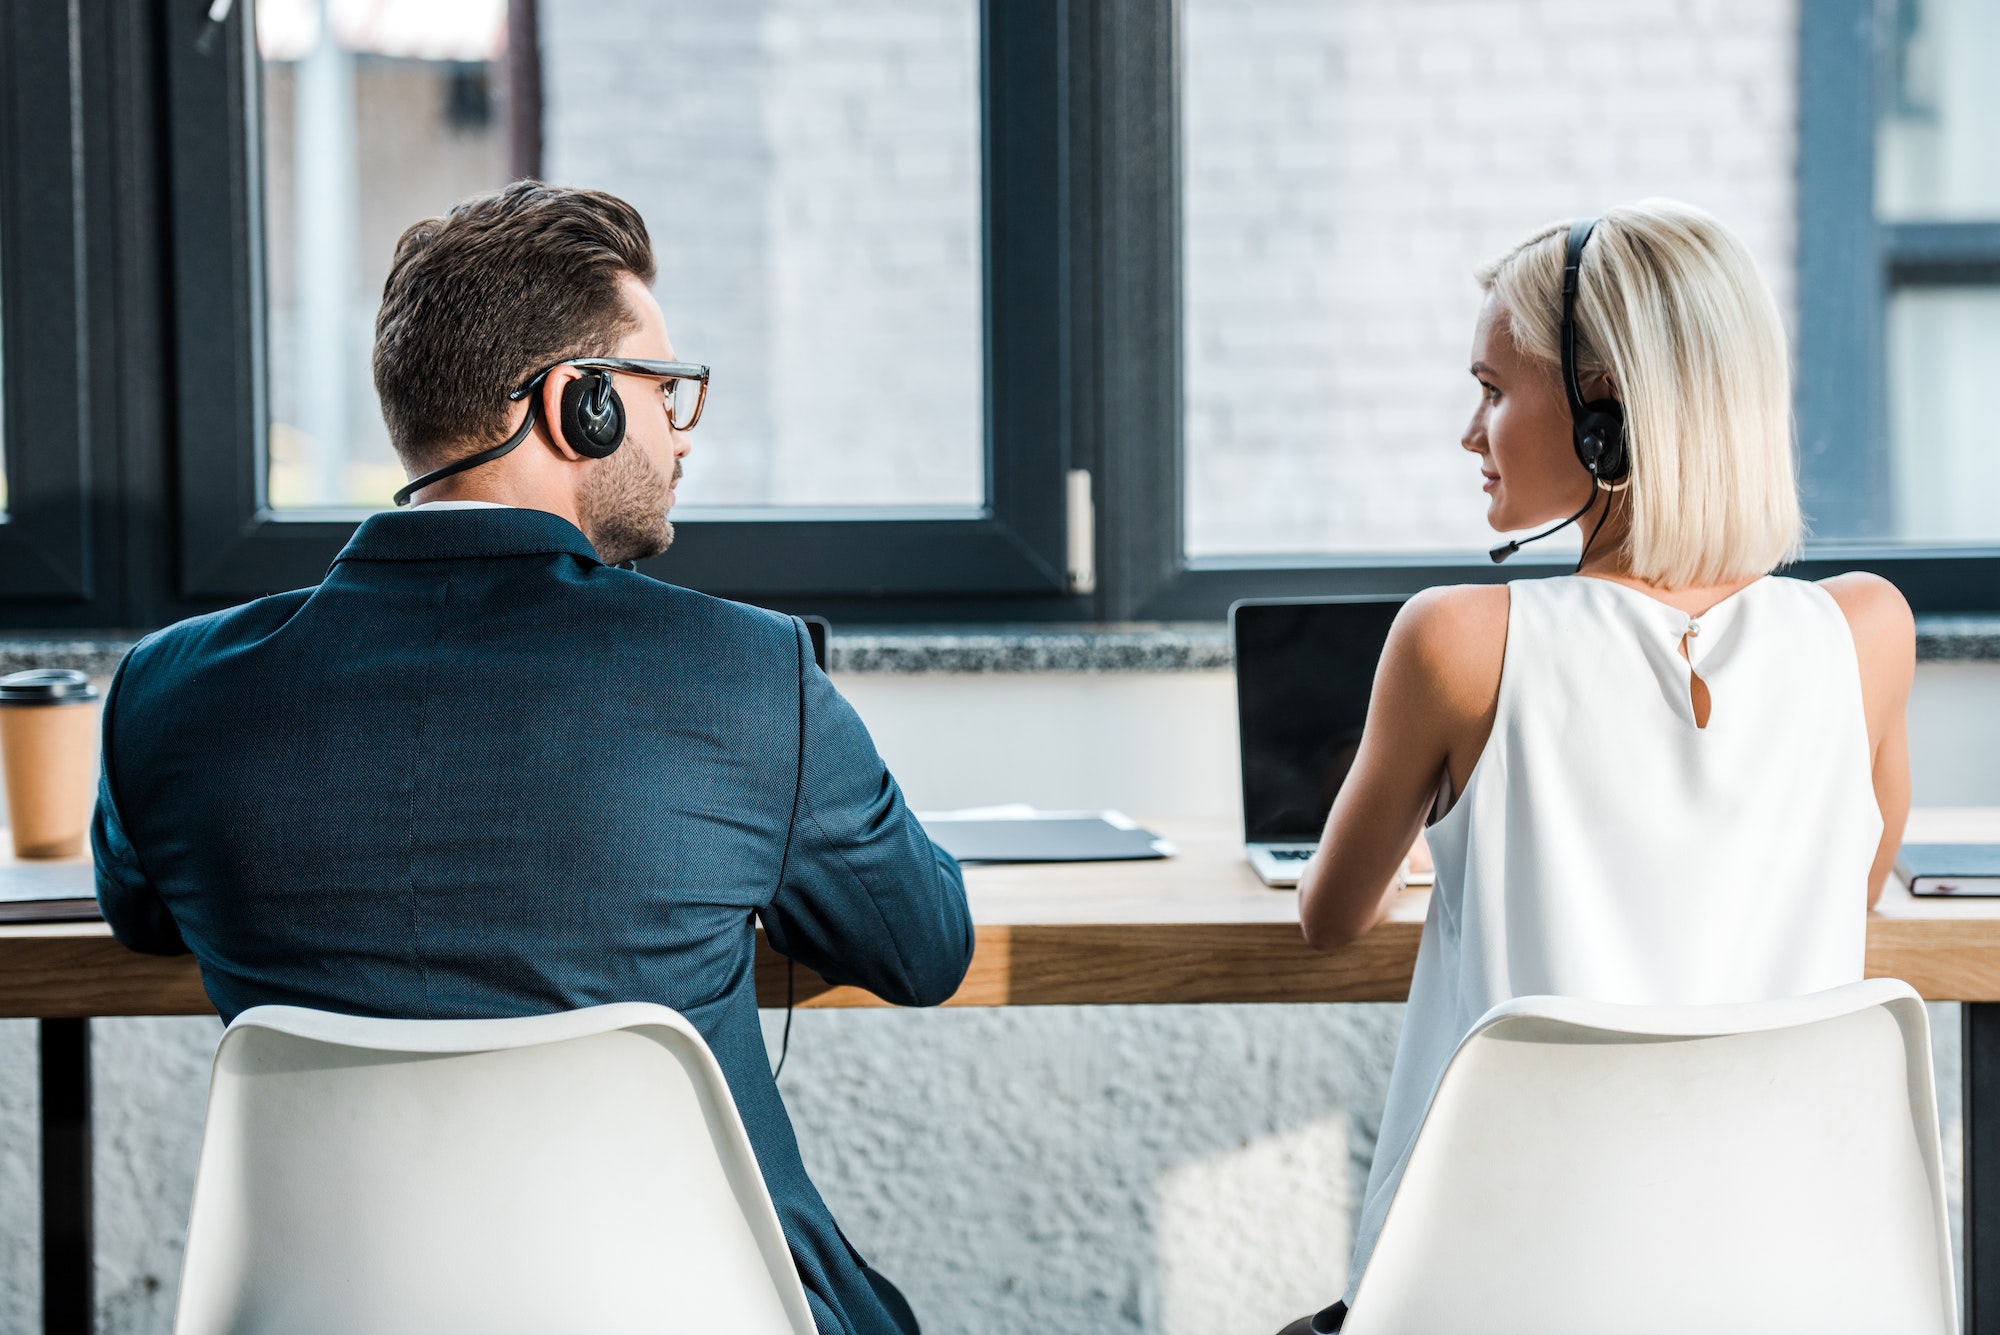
(1291, 854)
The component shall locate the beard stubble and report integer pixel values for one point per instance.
(623, 507)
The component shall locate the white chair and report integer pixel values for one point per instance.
(585, 1172)
(1588, 1168)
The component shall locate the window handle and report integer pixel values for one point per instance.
(1082, 533)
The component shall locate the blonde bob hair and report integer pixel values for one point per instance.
(1672, 309)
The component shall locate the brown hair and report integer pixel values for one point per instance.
(481, 299)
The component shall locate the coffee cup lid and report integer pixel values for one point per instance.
(46, 686)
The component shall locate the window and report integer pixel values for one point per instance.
(810, 177)
(1944, 343)
(1899, 255)
(374, 116)
(1343, 168)
(1939, 113)
(1937, 189)
(884, 429)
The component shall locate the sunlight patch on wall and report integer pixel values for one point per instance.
(1253, 1237)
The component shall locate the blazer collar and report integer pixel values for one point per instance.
(443, 535)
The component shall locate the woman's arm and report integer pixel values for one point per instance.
(1432, 707)
(1885, 643)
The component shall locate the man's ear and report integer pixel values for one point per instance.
(552, 392)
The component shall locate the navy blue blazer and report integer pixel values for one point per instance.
(476, 772)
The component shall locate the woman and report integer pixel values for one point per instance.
(1672, 777)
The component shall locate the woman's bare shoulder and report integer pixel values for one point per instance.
(1876, 610)
(1454, 638)
(1885, 632)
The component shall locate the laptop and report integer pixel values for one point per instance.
(1304, 667)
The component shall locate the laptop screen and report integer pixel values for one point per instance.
(1303, 672)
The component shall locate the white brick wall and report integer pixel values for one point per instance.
(810, 175)
(1348, 165)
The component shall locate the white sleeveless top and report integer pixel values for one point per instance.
(1606, 847)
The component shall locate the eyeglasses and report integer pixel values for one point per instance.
(683, 385)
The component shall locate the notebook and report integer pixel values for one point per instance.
(48, 892)
(1950, 870)
(1023, 834)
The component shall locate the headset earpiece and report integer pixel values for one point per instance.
(1600, 440)
(593, 416)
(1597, 428)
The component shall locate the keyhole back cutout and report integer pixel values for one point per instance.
(1698, 698)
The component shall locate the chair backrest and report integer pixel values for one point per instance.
(584, 1171)
(1587, 1167)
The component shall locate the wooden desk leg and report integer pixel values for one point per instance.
(1980, 1085)
(67, 1251)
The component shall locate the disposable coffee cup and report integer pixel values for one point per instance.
(48, 744)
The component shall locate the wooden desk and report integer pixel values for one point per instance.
(1199, 927)
(1196, 928)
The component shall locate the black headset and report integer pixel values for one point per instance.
(1597, 427)
(593, 423)
(593, 416)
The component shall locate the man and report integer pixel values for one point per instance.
(479, 771)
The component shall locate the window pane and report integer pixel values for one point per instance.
(1939, 144)
(1943, 346)
(375, 115)
(810, 175)
(1348, 166)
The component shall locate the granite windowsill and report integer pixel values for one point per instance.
(1197, 647)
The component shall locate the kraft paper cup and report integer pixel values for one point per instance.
(48, 744)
